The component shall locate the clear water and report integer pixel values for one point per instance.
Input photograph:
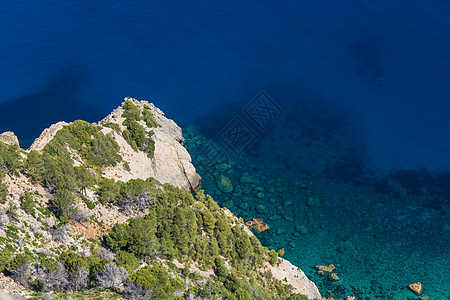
(362, 91)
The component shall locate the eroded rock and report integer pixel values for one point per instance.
(9, 138)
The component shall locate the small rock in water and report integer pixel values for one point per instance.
(416, 288)
(281, 252)
(313, 202)
(350, 298)
(258, 224)
(325, 270)
(333, 277)
(340, 250)
(261, 209)
(301, 229)
(225, 184)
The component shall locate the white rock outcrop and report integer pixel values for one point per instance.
(171, 162)
(295, 277)
(46, 136)
(9, 137)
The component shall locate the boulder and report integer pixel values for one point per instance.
(416, 288)
(333, 277)
(325, 270)
(258, 225)
(225, 184)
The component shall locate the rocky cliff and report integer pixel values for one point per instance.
(171, 162)
(43, 215)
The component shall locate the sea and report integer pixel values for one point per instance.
(331, 119)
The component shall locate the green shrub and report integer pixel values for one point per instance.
(127, 260)
(113, 126)
(131, 111)
(157, 281)
(149, 118)
(27, 202)
(10, 159)
(18, 261)
(5, 257)
(273, 256)
(3, 192)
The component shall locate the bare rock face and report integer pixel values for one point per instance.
(46, 136)
(9, 138)
(295, 277)
(171, 162)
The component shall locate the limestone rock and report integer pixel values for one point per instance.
(258, 224)
(9, 138)
(171, 162)
(295, 277)
(325, 270)
(46, 136)
(350, 298)
(333, 277)
(416, 288)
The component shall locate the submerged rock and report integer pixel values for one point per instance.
(261, 209)
(416, 288)
(333, 277)
(325, 270)
(225, 184)
(258, 224)
(301, 229)
(311, 202)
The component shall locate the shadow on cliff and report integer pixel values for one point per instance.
(29, 114)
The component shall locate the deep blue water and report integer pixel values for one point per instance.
(383, 65)
(362, 87)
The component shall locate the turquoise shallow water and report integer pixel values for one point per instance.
(380, 241)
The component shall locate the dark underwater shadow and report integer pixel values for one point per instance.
(311, 134)
(29, 114)
(366, 54)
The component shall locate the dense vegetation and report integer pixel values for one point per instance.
(135, 134)
(158, 255)
(10, 162)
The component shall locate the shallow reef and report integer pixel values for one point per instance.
(378, 243)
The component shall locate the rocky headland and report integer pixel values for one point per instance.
(147, 146)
